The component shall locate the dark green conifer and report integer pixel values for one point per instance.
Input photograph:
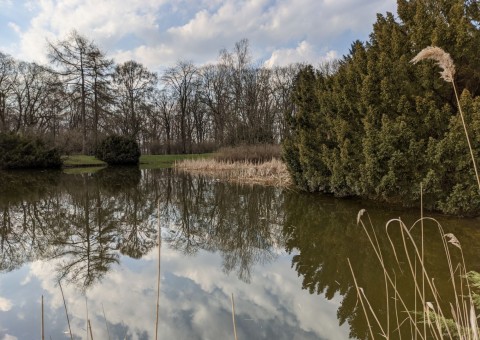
(379, 126)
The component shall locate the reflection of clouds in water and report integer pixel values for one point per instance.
(194, 301)
(5, 304)
(9, 337)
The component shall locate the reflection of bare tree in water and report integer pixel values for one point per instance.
(82, 222)
(87, 247)
(86, 221)
(13, 250)
(240, 222)
(136, 226)
(112, 218)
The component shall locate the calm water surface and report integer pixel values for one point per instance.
(282, 254)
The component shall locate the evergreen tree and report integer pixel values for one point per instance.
(379, 126)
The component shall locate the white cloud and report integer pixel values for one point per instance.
(6, 3)
(9, 337)
(160, 32)
(106, 22)
(303, 53)
(15, 27)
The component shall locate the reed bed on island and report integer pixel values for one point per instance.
(249, 153)
(272, 173)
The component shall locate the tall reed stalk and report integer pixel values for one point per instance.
(106, 323)
(444, 60)
(158, 276)
(90, 328)
(66, 312)
(43, 323)
(233, 319)
(458, 322)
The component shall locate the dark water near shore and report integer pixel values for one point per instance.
(282, 254)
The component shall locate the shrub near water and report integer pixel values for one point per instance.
(17, 152)
(117, 150)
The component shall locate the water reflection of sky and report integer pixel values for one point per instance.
(194, 301)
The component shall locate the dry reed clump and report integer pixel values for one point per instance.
(249, 153)
(273, 172)
(432, 317)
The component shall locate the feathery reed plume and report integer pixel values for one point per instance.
(66, 312)
(444, 60)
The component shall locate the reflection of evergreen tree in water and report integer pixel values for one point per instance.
(322, 233)
(235, 220)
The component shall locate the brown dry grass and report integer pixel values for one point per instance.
(272, 173)
(249, 153)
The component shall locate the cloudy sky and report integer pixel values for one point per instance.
(158, 33)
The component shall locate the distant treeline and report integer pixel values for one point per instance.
(374, 125)
(82, 95)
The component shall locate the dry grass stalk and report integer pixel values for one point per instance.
(66, 312)
(43, 323)
(273, 172)
(90, 328)
(87, 319)
(158, 277)
(257, 153)
(437, 323)
(106, 323)
(233, 318)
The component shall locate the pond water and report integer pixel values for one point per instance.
(281, 254)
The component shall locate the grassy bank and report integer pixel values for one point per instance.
(273, 172)
(74, 161)
(146, 161)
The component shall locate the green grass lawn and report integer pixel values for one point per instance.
(146, 161)
(81, 161)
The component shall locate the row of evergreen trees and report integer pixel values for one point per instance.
(374, 125)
